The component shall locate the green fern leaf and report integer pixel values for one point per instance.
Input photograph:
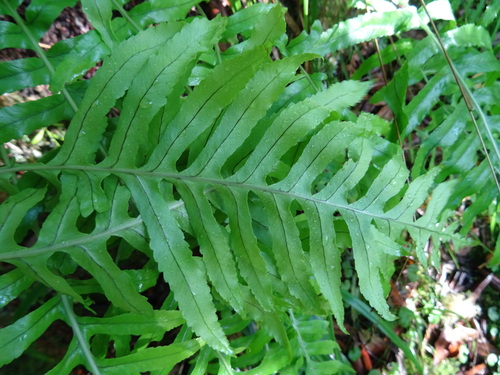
(469, 47)
(154, 83)
(269, 27)
(203, 106)
(311, 341)
(250, 104)
(24, 118)
(82, 53)
(219, 264)
(18, 74)
(12, 284)
(151, 358)
(16, 338)
(221, 187)
(161, 11)
(39, 16)
(101, 95)
(246, 20)
(180, 269)
(368, 26)
(99, 15)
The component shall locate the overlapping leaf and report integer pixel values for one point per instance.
(451, 128)
(360, 29)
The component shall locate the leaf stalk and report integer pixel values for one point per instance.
(79, 335)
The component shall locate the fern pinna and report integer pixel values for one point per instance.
(241, 181)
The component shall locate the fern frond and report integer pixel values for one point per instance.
(222, 187)
(367, 27)
(313, 344)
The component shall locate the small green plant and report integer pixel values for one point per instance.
(209, 167)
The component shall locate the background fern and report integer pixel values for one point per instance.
(213, 173)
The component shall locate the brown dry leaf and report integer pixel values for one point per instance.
(441, 350)
(377, 346)
(395, 297)
(476, 370)
(450, 340)
(460, 334)
(386, 113)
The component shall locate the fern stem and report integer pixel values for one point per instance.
(336, 351)
(226, 365)
(299, 337)
(469, 99)
(5, 157)
(216, 182)
(386, 80)
(395, 50)
(31, 252)
(79, 335)
(304, 72)
(308, 77)
(36, 47)
(305, 9)
(125, 15)
(396, 122)
(8, 162)
(216, 46)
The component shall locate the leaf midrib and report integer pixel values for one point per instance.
(213, 181)
(89, 238)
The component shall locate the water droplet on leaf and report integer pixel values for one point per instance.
(146, 104)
